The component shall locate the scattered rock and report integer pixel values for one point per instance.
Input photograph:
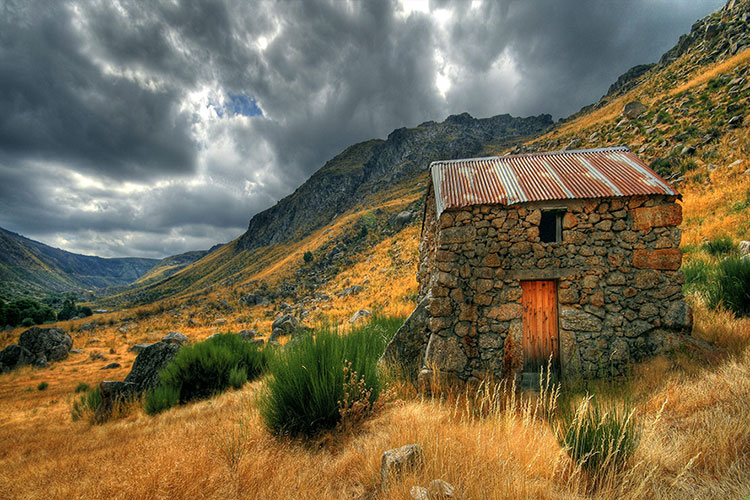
(75, 351)
(688, 151)
(744, 247)
(45, 344)
(351, 290)
(399, 460)
(219, 321)
(145, 371)
(359, 315)
(14, 356)
(248, 334)
(175, 338)
(258, 342)
(419, 493)
(283, 325)
(439, 489)
(407, 348)
(111, 366)
(86, 327)
(634, 109)
(139, 347)
(97, 356)
(735, 121)
(402, 219)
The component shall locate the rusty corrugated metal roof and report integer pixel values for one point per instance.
(588, 173)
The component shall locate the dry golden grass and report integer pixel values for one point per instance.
(695, 443)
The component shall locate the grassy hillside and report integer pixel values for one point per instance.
(33, 269)
(488, 441)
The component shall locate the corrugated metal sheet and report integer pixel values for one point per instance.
(591, 173)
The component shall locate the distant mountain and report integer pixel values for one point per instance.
(378, 165)
(170, 265)
(31, 268)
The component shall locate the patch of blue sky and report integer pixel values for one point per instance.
(242, 105)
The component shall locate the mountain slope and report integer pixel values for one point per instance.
(31, 268)
(369, 167)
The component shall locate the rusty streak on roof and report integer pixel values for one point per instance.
(561, 175)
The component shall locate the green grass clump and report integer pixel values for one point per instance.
(720, 246)
(730, 286)
(86, 405)
(697, 273)
(161, 398)
(599, 437)
(204, 369)
(323, 376)
(42, 386)
(82, 387)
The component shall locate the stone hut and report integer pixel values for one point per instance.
(567, 257)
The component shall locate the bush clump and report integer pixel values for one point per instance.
(87, 404)
(720, 246)
(599, 437)
(204, 369)
(324, 376)
(730, 286)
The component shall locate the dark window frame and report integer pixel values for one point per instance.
(550, 226)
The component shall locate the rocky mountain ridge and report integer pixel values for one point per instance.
(369, 167)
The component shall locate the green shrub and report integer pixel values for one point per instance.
(161, 398)
(730, 287)
(42, 386)
(314, 382)
(237, 377)
(27, 322)
(204, 369)
(696, 273)
(720, 246)
(86, 405)
(598, 437)
(82, 387)
(307, 257)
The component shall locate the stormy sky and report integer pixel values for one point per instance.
(132, 128)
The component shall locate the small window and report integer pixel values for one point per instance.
(550, 227)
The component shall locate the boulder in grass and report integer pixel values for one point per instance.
(399, 460)
(13, 356)
(360, 315)
(46, 344)
(139, 347)
(175, 338)
(148, 363)
(440, 490)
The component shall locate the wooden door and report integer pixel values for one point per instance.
(540, 338)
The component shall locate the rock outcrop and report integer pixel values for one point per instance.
(38, 347)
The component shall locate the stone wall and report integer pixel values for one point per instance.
(619, 287)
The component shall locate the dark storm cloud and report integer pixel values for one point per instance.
(129, 127)
(566, 53)
(57, 103)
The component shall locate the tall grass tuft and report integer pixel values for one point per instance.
(86, 405)
(323, 376)
(730, 287)
(205, 369)
(697, 273)
(599, 437)
(720, 246)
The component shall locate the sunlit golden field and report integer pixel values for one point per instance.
(693, 406)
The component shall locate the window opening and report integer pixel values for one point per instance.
(550, 227)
